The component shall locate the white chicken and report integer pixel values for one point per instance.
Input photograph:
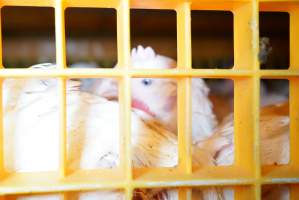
(31, 135)
(32, 131)
(32, 127)
(158, 96)
(220, 142)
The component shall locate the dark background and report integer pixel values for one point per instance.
(29, 36)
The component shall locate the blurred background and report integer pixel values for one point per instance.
(29, 36)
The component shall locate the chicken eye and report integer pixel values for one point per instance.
(147, 82)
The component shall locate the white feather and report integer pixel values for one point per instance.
(32, 132)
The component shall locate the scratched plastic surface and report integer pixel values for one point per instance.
(246, 175)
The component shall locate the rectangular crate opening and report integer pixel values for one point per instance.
(279, 191)
(28, 35)
(154, 100)
(274, 40)
(146, 31)
(213, 121)
(91, 36)
(93, 124)
(212, 39)
(29, 106)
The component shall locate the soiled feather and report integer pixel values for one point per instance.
(32, 133)
(274, 136)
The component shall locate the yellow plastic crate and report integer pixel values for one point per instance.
(246, 175)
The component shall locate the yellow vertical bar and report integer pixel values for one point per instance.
(256, 95)
(123, 47)
(123, 34)
(184, 35)
(1, 51)
(249, 192)
(60, 34)
(256, 98)
(294, 40)
(246, 125)
(185, 193)
(294, 97)
(2, 170)
(184, 87)
(246, 118)
(1, 108)
(256, 138)
(62, 120)
(184, 125)
(184, 94)
(61, 63)
(125, 123)
(63, 196)
(245, 25)
(294, 192)
(294, 122)
(129, 193)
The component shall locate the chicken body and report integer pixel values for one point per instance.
(157, 97)
(32, 129)
(160, 94)
(32, 133)
(274, 147)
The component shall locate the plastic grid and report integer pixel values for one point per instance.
(246, 175)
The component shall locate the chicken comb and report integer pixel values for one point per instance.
(147, 58)
(141, 53)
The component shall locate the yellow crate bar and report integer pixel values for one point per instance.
(124, 49)
(183, 12)
(294, 94)
(2, 171)
(246, 175)
(61, 64)
(184, 88)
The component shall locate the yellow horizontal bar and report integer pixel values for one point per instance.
(205, 73)
(92, 3)
(149, 4)
(202, 176)
(278, 5)
(22, 183)
(279, 1)
(93, 73)
(39, 3)
(154, 4)
(291, 180)
(280, 171)
(55, 73)
(171, 73)
(190, 183)
(281, 74)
